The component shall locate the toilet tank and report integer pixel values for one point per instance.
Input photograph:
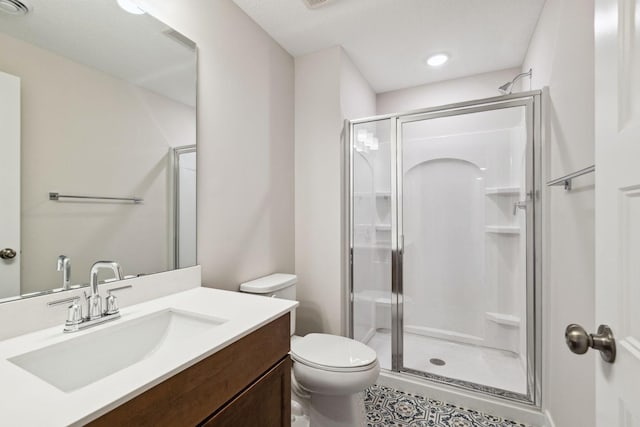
(278, 285)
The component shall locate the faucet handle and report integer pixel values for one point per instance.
(74, 311)
(63, 301)
(112, 304)
(112, 301)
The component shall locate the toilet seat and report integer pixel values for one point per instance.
(333, 353)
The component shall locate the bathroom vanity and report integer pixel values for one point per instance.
(197, 357)
(247, 383)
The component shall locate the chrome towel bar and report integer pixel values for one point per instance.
(566, 180)
(58, 196)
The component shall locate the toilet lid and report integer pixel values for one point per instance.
(332, 352)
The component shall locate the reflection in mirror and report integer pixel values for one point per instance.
(184, 173)
(93, 102)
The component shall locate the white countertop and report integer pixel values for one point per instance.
(26, 400)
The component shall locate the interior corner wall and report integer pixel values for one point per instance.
(328, 89)
(445, 92)
(317, 191)
(357, 98)
(245, 146)
(561, 55)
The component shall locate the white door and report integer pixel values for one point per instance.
(9, 185)
(617, 36)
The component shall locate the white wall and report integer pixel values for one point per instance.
(85, 132)
(317, 191)
(328, 89)
(357, 99)
(245, 142)
(446, 92)
(561, 55)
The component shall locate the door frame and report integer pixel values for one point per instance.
(531, 100)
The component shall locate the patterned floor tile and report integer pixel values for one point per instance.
(387, 407)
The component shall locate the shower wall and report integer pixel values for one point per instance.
(463, 252)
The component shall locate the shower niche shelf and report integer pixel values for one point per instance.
(378, 194)
(379, 246)
(378, 227)
(503, 319)
(502, 191)
(502, 229)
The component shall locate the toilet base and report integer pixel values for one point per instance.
(299, 417)
(329, 411)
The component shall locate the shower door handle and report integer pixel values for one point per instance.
(522, 204)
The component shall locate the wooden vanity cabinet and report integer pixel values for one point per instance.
(248, 383)
(266, 403)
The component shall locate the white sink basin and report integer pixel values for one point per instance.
(82, 360)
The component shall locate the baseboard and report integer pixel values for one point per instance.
(549, 419)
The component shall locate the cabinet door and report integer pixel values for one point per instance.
(267, 403)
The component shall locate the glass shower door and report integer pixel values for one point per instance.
(371, 236)
(465, 181)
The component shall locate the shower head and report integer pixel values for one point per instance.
(507, 88)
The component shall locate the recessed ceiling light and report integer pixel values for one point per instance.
(131, 7)
(437, 60)
(14, 7)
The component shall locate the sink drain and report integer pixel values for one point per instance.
(437, 362)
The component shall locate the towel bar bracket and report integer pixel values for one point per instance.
(566, 181)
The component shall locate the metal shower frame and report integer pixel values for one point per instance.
(175, 153)
(531, 101)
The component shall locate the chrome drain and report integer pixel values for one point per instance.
(437, 362)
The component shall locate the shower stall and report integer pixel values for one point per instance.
(444, 225)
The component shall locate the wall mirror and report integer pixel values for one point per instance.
(98, 102)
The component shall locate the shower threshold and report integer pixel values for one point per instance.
(464, 363)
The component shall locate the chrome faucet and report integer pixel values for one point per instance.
(64, 265)
(95, 316)
(94, 300)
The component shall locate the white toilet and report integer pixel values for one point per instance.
(329, 372)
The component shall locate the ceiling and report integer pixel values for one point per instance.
(99, 34)
(389, 40)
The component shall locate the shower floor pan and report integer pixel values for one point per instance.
(476, 364)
